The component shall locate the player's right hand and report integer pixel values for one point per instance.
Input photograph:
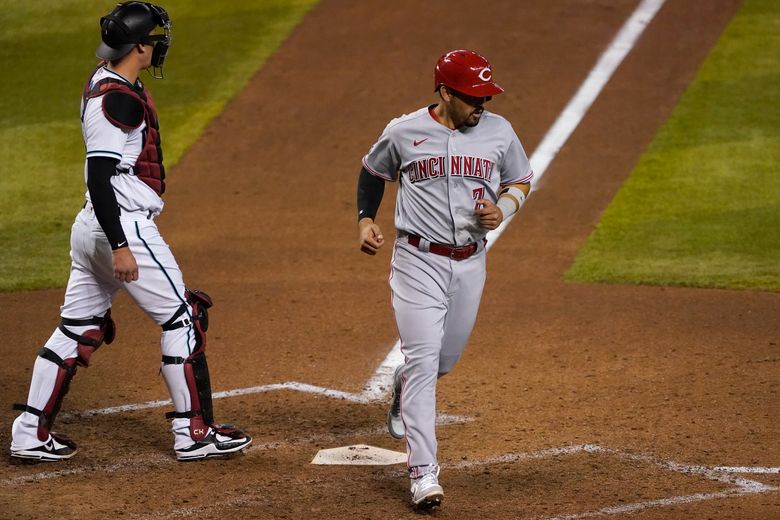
(489, 215)
(371, 238)
(125, 268)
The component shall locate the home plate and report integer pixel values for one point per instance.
(359, 454)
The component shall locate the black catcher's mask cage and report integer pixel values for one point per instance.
(160, 42)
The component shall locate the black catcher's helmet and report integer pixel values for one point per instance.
(130, 24)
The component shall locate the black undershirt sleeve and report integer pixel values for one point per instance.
(101, 192)
(370, 190)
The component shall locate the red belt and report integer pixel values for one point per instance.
(456, 253)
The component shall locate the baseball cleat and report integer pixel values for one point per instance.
(426, 492)
(58, 447)
(218, 443)
(395, 425)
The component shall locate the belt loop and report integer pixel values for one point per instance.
(425, 245)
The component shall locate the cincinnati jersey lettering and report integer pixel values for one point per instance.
(460, 166)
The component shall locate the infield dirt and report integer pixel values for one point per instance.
(260, 214)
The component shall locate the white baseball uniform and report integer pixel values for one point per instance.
(159, 290)
(435, 298)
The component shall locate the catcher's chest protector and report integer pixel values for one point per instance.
(149, 165)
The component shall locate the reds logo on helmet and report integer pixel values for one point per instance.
(467, 72)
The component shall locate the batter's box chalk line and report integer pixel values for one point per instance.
(722, 474)
(362, 398)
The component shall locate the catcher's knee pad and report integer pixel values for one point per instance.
(193, 313)
(196, 369)
(90, 340)
(65, 372)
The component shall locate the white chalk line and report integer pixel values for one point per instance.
(375, 390)
(744, 469)
(717, 473)
(583, 99)
(742, 486)
(600, 74)
(290, 385)
(648, 504)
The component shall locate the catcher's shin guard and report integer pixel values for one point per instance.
(196, 369)
(65, 373)
(86, 343)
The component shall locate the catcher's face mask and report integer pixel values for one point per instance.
(160, 42)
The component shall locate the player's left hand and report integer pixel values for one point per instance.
(489, 215)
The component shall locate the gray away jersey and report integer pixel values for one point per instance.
(443, 172)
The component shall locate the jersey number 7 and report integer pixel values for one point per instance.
(476, 194)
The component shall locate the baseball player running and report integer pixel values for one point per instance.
(115, 245)
(462, 171)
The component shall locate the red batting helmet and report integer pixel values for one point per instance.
(467, 72)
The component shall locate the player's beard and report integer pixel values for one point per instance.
(472, 121)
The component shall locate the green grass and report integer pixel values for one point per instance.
(46, 52)
(702, 207)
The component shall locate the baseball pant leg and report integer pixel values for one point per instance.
(159, 292)
(418, 285)
(465, 293)
(88, 294)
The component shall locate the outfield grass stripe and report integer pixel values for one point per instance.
(702, 207)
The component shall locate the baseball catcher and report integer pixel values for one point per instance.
(115, 244)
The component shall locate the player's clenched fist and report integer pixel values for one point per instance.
(371, 238)
(489, 215)
(125, 267)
